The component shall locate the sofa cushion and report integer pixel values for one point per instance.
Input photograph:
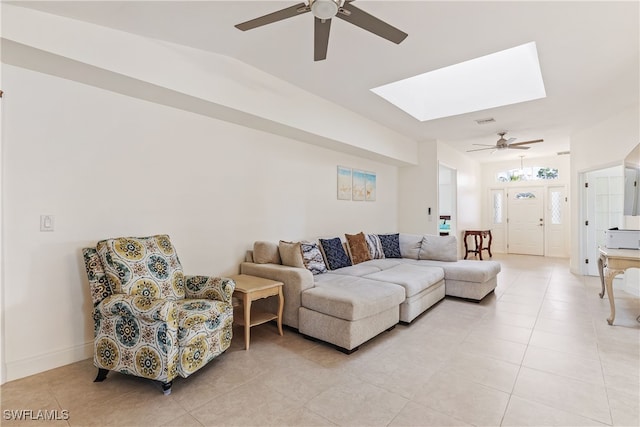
(334, 253)
(358, 249)
(439, 248)
(390, 245)
(266, 253)
(465, 270)
(361, 269)
(291, 254)
(410, 245)
(142, 265)
(412, 278)
(374, 245)
(352, 298)
(312, 258)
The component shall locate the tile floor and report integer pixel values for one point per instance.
(538, 352)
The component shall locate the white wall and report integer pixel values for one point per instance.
(604, 144)
(107, 165)
(418, 191)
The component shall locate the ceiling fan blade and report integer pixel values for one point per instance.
(527, 142)
(480, 149)
(279, 15)
(486, 145)
(510, 140)
(321, 38)
(514, 147)
(368, 22)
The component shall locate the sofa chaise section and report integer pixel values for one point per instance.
(348, 310)
(467, 279)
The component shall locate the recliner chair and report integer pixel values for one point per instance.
(150, 320)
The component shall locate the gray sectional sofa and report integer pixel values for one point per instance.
(350, 305)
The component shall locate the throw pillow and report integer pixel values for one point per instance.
(312, 258)
(439, 248)
(291, 254)
(390, 245)
(358, 248)
(410, 245)
(266, 253)
(334, 253)
(375, 246)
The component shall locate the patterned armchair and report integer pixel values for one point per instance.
(149, 319)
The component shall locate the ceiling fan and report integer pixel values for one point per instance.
(503, 144)
(323, 11)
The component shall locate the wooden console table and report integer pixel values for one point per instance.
(612, 262)
(478, 238)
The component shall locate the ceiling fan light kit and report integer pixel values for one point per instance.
(325, 9)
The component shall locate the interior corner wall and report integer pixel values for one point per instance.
(418, 191)
(105, 165)
(604, 144)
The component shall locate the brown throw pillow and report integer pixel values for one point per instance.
(358, 249)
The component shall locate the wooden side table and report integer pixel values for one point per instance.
(478, 238)
(252, 288)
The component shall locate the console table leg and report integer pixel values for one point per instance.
(601, 274)
(609, 275)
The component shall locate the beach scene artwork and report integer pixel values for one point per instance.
(344, 183)
(359, 185)
(370, 186)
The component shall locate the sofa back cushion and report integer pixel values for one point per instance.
(439, 248)
(410, 245)
(266, 253)
(358, 249)
(147, 266)
(390, 245)
(334, 253)
(290, 254)
(312, 258)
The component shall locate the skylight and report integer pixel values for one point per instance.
(502, 78)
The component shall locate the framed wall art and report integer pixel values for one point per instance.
(344, 183)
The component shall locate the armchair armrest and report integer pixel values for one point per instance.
(138, 306)
(213, 288)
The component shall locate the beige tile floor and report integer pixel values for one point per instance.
(538, 352)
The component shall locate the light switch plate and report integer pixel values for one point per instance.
(46, 222)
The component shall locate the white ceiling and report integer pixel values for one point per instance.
(588, 52)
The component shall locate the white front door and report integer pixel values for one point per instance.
(526, 221)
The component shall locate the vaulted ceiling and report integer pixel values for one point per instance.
(588, 53)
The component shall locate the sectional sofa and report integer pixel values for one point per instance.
(347, 292)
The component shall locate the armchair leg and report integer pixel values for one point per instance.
(102, 375)
(166, 388)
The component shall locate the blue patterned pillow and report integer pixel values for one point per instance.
(312, 258)
(390, 245)
(334, 253)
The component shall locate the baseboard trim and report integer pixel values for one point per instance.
(44, 362)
